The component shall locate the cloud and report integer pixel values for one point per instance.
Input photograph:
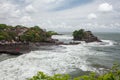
(6, 8)
(50, 14)
(29, 8)
(16, 13)
(26, 19)
(51, 1)
(58, 5)
(92, 16)
(105, 7)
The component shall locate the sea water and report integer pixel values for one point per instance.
(96, 56)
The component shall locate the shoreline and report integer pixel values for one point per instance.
(23, 48)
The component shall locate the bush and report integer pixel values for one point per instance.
(113, 74)
(34, 34)
(50, 33)
(22, 33)
(79, 34)
(3, 26)
(42, 76)
(2, 37)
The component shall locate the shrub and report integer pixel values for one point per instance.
(3, 26)
(42, 76)
(22, 33)
(2, 37)
(34, 34)
(50, 33)
(79, 34)
(113, 74)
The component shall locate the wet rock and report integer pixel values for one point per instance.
(11, 52)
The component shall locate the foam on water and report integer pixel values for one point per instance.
(67, 37)
(64, 60)
(104, 43)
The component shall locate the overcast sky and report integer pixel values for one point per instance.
(63, 15)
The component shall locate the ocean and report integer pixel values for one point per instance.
(63, 59)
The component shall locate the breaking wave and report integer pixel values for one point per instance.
(63, 59)
(104, 43)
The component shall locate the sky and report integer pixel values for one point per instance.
(63, 15)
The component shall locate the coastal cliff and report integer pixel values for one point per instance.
(19, 39)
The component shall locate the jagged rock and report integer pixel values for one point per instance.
(86, 36)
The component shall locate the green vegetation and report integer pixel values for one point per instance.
(3, 26)
(22, 33)
(42, 76)
(78, 34)
(86, 36)
(50, 33)
(113, 74)
(7, 35)
(34, 34)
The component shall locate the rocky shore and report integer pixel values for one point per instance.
(14, 49)
(22, 48)
(17, 40)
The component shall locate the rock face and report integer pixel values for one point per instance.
(90, 37)
(86, 36)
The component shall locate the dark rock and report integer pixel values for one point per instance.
(89, 37)
(11, 52)
(74, 43)
(14, 49)
(86, 36)
(59, 43)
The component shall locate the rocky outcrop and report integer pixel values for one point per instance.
(15, 49)
(86, 36)
(89, 37)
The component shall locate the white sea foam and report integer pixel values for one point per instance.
(68, 59)
(104, 43)
(66, 37)
(65, 59)
(109, 42)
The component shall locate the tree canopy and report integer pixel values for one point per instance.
(79, 34)
(22, 33)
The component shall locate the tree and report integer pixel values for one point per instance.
(79, 34)
(34, 34)
(50, 33)
(3, 26)
(2, 37)
(19, 32)
(12, 35)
